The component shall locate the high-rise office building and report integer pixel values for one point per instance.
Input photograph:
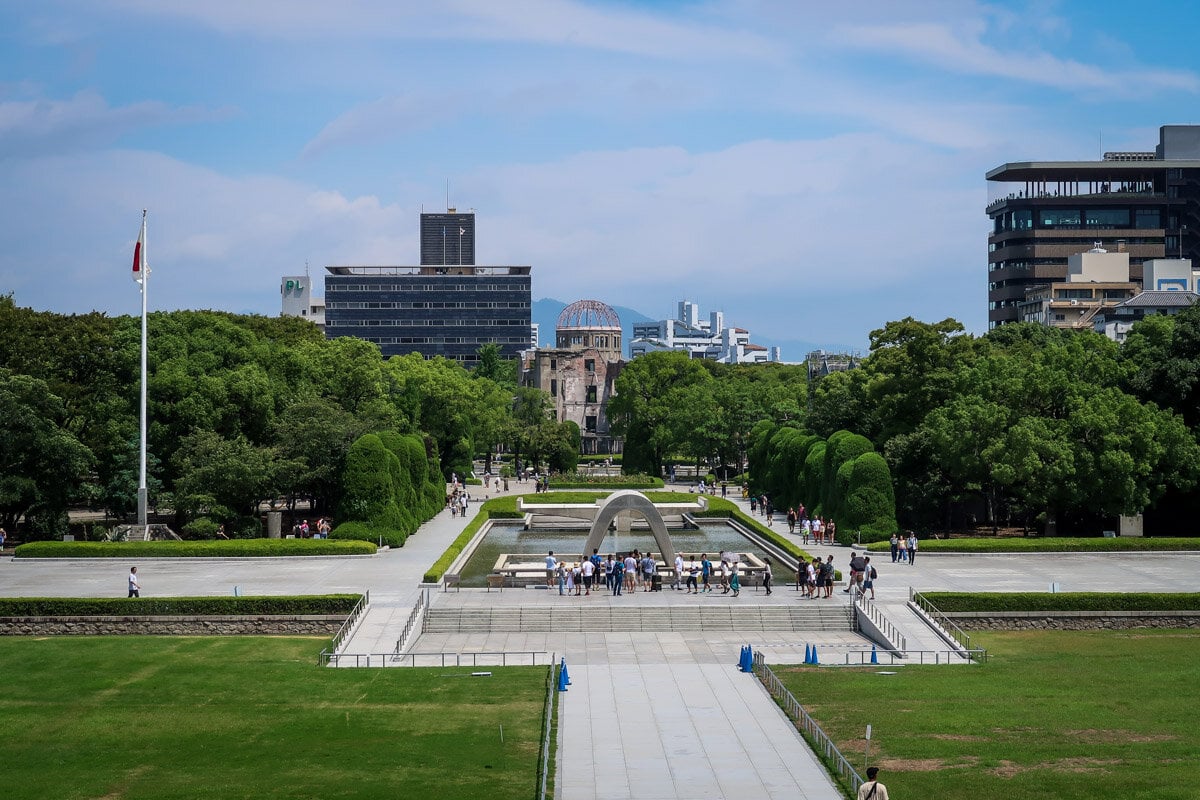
(1144, 203)
(447, 310)
(448, 238)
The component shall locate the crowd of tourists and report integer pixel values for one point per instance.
(634, 571)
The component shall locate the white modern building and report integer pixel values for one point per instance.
(298, 301)
(1170, 275)
(710, 338)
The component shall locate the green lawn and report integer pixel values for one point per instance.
(249, 717)
(1060, 715)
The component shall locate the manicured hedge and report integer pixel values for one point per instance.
(590, 497)
(176, 606)
(220, 548)
(719, 508)
(577, 481)
(1047, 545)
(354, 531)
(1064, 601)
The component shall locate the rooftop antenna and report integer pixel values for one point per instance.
(306, 275)
(447, 194)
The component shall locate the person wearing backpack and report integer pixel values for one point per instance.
(870, 575)
(872, 789)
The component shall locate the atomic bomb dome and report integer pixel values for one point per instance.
(589, 324)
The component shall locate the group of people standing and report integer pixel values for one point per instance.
(904, 548)
(637, 570)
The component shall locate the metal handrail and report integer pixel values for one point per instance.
(417, 615)
(344, 632)
(890, 657)
(807, 726)
(524, 658)
(864, 606)
(547, 724)
(961, 637)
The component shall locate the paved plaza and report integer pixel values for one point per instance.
(649, 714)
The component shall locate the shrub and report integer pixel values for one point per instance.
(1052, 545)
(354, 530)
(574, 480)
(218, 548)
(1064, 601)
(171, 606)
(200, 528)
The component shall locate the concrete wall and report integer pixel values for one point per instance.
(1074, 620)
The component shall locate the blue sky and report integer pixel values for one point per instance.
(812, 169)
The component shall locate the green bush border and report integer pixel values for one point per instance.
(607, 482)
(435, 572)
(1062, 544)
(208, 548)
(1064, 601)
(282, 605)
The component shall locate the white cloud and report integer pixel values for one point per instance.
(40, 126)
(960, 49)
(558, 23)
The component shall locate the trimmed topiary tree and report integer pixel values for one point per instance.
(870, 503)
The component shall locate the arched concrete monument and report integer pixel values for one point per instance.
(628, 500)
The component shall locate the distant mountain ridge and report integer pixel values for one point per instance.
(545, 313)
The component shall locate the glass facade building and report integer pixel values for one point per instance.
(431, 310)
(1144, 203)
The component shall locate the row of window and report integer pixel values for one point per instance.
(1099, 218)
(444, 340)
(422, 304)
(404, 286)
(335, 322)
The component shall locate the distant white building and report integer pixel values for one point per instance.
(711, 338)
(299, 302)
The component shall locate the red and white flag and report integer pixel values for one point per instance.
(139, 254)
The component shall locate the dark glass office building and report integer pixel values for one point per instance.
(448, 311)
(448, 239)
(1144, 203)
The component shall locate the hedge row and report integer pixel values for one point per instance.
(176, 606)
(577, 481)
(219, 548)
(1063, 601)
(590, 497)
(725, 509)
(1047, 545)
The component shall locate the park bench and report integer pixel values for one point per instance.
(451, 579)
(496, 581)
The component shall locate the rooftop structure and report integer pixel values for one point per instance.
(1095, 280)
(296, 291)
(1115, 322)
(1144, 203)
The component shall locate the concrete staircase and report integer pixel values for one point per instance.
(577, 618)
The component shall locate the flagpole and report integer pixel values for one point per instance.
(142, 493)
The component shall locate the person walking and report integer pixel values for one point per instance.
(912, 548)
(734, 583)
(872, 789)
(767, 575)
(895, 544)
(869, 577)
(705, 573)
(135, 588)
(618, 577)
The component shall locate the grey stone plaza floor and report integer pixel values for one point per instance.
(648, 715)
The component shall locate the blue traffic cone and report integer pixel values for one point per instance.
(874, 657)
(748, 660)
(807, 653)
(741, 656)
(564, 677)
(814, 656)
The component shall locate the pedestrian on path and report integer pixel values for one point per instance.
(912, 548)
(767, 574)
(872, 789)
(135, 588)
(871, 575)
(734, 583)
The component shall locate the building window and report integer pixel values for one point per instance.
(1148, 218)
(554, 363)
(1060, 218)
(1107, 217)
(591, 394)
(589, 424)
(589, 364)
(553, 387)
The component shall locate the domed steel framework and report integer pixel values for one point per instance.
(589, 314)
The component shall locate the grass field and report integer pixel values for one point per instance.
(1060, 715)
(178, 717)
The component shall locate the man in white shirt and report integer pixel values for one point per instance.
(678, 572)
(589, 569)
(551, 565)
(135, 588)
